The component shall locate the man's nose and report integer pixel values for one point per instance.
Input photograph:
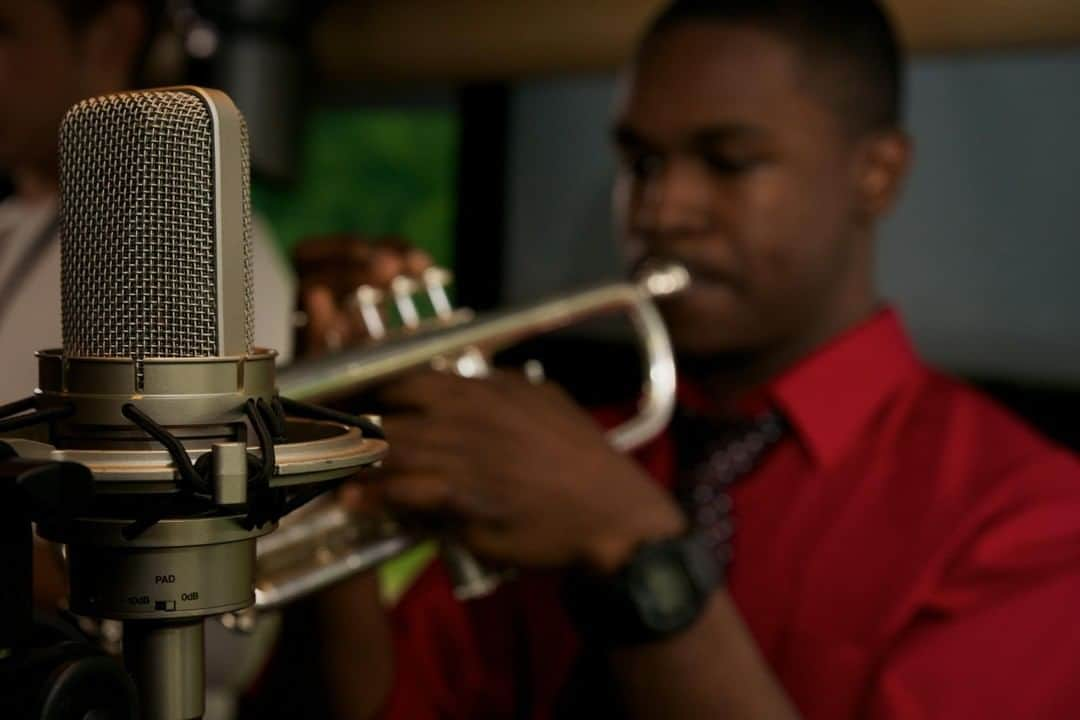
(672, 200)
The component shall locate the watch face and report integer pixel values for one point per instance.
(663, 593)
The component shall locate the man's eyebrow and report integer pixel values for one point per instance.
(625, 136)
(728, 132)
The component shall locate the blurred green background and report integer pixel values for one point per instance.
(374, 172)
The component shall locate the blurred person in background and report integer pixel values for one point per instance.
(886, 541)
(54, 53)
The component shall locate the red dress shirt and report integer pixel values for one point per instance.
(910, 550)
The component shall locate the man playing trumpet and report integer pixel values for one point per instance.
(882, 541)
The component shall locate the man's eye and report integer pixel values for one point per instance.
(729, 164)
(644, 165)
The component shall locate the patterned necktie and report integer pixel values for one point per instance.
(712, 456)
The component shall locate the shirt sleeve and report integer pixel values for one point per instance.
(998, 637)
(438, 670)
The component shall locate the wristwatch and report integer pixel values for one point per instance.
(660, 591)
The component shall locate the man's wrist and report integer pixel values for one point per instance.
(613, 548)
(661, 589)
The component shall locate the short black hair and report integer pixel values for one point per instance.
(80, 13)
(856, 36)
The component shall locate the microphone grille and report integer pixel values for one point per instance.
(142, 246)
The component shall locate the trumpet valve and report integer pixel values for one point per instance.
(435, 280)
(403, 288)
(364, 303)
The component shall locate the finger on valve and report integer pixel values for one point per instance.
(347, 279)
(346, 261)
(325, 327)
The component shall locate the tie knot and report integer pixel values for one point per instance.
(701, 438)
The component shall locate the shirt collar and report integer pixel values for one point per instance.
(830, 395)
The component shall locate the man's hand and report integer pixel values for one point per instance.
(330, 268)
(537, 485)
(531, 477)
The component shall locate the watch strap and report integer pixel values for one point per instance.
(659, 592)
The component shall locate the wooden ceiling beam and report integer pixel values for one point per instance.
(461, 40)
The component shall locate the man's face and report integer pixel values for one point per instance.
(40, 77)
(730, 163)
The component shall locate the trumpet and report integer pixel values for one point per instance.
(328, 544)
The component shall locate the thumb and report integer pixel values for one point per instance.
(360, 496)
(323, 321)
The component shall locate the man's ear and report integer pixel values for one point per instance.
(112, 43)
(883, 163)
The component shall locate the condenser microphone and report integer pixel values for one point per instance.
(158, 388)
(156, 237)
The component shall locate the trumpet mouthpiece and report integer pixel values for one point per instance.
(660, 279)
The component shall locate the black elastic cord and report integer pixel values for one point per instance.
(10, 419)
(36, 417)
(276, 419)
(140, 525)
(257, 410)
(204, 465)
(265, 503)
(27, 403)
(315, 412)
(190, 479)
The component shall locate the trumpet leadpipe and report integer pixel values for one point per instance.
(351, 370)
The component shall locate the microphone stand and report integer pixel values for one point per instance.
(48, 671)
